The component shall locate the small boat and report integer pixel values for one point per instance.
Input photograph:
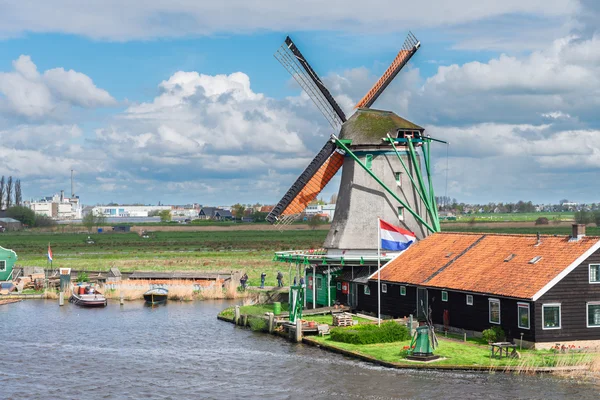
(87, 296)
(156, 296)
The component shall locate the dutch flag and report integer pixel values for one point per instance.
(49, 253)
(394, 238)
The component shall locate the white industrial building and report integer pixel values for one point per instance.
(127, 211)
(57, 206)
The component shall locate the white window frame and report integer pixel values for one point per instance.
(469, 296)
(559, 316)
(587, 311)
(490, 301)
(339, 286)
(367, 290)
(444, 293)
(402, 290)
(590, 274)
(384, 288)
(398, 177)
(2, 265)
(519, 305)
(319, 282)
(400, 213)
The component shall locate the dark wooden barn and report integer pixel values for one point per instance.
(545, 289)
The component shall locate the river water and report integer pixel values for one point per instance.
(181, 351)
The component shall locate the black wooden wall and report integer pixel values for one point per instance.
(572, 292)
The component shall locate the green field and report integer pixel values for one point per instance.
(251, 251)
(514, 217)
(533, 229)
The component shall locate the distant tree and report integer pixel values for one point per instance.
(597, 218)
(44, 221)
(89, 220)
(2, 190)
(238, 210)
(18, 194)
(100, 219)
(583, 217)
(165, 215)
(314, 221)
(258, 216)
(9, 192)
(23, 214)
(154, 213)
(542, 221)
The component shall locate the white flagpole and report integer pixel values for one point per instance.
(378, 273)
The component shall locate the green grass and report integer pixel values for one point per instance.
(251, 251)
(514, 217)
(257, 309)
(456, 354)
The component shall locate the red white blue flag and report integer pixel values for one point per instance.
(49, 253)
(394, 238)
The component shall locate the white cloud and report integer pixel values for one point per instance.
(34, 95)
(116, 20)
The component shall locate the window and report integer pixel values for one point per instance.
(398, 178)
(401, 213)
(369, 160)
(494, 311)
(593, 314)
(319, 283)
(367, 290)
(444, 295)
(551, 316)
(402, 290)
(339, 286)
(3, 265)
(523, 315)
(594, 273)
(469, 299)
(384, 288)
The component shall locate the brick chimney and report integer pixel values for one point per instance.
(578, 231)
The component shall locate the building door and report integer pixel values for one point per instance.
(353, 295)
(422, 304)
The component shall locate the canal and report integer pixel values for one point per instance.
(182, 351)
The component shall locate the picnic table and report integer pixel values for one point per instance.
(499, 348)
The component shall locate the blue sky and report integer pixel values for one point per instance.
(185, 102)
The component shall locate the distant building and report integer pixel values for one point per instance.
(128, 211)
(10, 224)
(214, 213)
(57, 206)
(8, 258)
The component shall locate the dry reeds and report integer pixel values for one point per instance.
(183, 290)
(573, 363)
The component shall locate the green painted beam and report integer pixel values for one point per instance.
(387, 189)
(406, 169)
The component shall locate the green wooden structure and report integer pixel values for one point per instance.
(8, 258)
(320, 285)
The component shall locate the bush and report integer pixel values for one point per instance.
(368, 334)
(82, 277)
(258, 324)
(44, 221)
(542, 221)
(23, 214)
(583, 217)
(494, 334)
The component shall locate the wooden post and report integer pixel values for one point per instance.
(314, 287)
(236, 317)
(271, 322)
(244, 320)
(298, 331)
(121, 300)
(61, 299)
(410, 325)
(465, 337)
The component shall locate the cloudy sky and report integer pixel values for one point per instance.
(182, 101)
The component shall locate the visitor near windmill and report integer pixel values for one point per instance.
(263, 276)
(279, 279)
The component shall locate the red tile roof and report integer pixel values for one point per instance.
(476, 262)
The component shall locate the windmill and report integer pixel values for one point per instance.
(376, 150)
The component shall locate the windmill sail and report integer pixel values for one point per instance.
(292, 59)
(409, 48)
(309, 184)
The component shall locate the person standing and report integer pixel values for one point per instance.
(263, 276)
(279, 279)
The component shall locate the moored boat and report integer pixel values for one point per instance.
(156, 296)
(87, 296)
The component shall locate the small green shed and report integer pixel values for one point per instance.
(8, 258)
(320, 284)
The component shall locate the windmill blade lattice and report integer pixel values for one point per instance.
(294, 62)
(409, 48)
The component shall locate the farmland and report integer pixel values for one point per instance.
(515, 217)
(251, 251)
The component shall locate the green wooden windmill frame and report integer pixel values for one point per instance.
(424, 191)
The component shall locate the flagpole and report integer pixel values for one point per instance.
(378, 272)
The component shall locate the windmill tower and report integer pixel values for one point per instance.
(382, 172)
